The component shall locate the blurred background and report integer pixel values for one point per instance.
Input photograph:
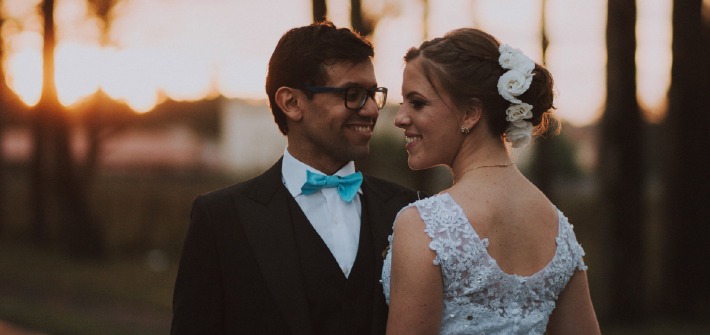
(115, 114)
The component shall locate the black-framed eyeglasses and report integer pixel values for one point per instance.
(355, 97)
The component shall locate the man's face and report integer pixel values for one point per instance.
(330, 135)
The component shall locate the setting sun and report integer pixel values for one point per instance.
(191, 50)
(77, 71)
(24, 75)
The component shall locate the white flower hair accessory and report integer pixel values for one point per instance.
(518, 112)
(511, 58)
(519, 133)
(512, 84)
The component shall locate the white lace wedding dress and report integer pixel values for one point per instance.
(479, 298)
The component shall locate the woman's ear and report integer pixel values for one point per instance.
(287, 99)
(474, 113)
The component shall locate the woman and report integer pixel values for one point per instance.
(491, 254)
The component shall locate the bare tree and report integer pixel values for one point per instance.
(543, 162)
(40, 162)
(4, 93)
(362, 23)
(10, 108)
(320, 10)
(95, 117)
(54, 170)
(687, 182)
(621, 167)
(425, 19)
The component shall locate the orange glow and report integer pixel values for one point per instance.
(24, 75)
(77, 74)
(81, 70)
(129, 77)
(654, 57)
(188, 50)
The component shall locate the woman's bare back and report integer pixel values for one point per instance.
(518, 220)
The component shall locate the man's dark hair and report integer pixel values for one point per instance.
(301, 55)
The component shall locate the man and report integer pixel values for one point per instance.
(298, 249)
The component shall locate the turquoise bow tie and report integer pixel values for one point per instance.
(347, 186)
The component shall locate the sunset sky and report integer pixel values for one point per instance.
(190, 49)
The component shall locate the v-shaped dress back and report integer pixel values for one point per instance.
(479, 298)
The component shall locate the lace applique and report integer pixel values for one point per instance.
(479, 298)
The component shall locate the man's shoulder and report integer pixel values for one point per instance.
(382, 185)
(245, 187)
(227, 191)
(385, 183)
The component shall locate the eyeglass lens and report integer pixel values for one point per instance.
(356, 97)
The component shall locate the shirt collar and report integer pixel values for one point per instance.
(293, 173)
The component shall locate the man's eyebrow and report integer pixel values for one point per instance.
(357, 84)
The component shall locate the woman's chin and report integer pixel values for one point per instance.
(416, 166)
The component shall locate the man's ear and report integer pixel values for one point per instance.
(474, 113)
(287, 99)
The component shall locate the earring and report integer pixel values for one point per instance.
(465, 130)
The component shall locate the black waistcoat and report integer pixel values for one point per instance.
(338, 305)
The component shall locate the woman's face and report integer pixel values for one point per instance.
(430, 120)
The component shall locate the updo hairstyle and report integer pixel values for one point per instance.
(464, 63)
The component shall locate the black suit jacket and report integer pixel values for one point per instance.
(239, 272)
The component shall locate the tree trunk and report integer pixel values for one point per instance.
(621, 167)
(3, 184)
(543, 163)
(358, 21)
(4, 95)
(43, 113)
(425, 20)
(687, 183)
(97, 110)
(53, 131)
(81, 232)
(320, 10)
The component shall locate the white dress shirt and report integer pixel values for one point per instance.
(336, 221)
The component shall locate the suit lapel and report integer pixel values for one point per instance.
(377, 210)
(375, 206)
(269, 230)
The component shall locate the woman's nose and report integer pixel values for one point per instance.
(401, 119)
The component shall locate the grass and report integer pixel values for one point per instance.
(145, 217)
(48, 291)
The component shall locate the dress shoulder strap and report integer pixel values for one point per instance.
(568, 240)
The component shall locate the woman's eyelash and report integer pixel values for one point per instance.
(417, 103)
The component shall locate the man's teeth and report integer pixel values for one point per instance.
(411, 139)
(361, 129)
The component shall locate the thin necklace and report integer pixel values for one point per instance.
(483, 166)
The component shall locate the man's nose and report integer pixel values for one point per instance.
(369, 108)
